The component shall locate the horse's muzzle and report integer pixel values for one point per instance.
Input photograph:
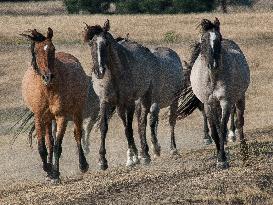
(47, 79)
(100, 72)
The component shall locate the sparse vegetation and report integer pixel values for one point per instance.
(189, 178)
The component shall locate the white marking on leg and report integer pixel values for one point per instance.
(130, 161)
(231, 136)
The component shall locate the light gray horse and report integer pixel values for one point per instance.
(125, 72)
(206, 136)
(219, 78)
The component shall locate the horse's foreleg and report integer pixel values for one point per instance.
(206, 138)
(104, 112)
(142, 123)
(86, 134)
(49, 143)
(231, 132)
(222, 159)
(172, 123)
(78, 135)
(41, 142)
(240, 108)
(154, 112)
(54, 130)
(126, 114)
(61, 127)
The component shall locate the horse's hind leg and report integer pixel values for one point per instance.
(142, 124)
(172, 123)
(231, 132)
(126, 115)
(83, 165)
(240, 108)
(86, 134)
(154, 112)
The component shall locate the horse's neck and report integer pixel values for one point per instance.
(117, 58)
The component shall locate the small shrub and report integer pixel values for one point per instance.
(72, 6)
(190, 6)
(170, 37)
(128, 7)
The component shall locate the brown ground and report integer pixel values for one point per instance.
(190, 178)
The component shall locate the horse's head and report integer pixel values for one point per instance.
(43, 54)
(99, 41)
(211, 42)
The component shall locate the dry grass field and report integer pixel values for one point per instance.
(191, 177)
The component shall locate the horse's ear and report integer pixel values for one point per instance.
(206, 25)
(106, 26)
(217, 23)
(49, 33)
(35, 35)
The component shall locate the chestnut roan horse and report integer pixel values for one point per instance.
(54, 88)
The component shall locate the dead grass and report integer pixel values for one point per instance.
(192, 177)
(32, 8)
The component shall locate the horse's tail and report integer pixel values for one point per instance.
(188, 102)
(23, 124)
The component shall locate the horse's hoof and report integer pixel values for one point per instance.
(130, 163)
(207, 141)
(84, 167)
(48, 177)
(103, 165)
(136, 159)
(157, 150)
(222, 165)
(47, 167)
(146, 160)
(174, 152)
(56, 181)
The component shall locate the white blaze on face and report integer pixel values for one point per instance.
(99, 41)
(45, 47)
(212, 39)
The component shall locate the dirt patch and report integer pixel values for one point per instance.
(190, 178)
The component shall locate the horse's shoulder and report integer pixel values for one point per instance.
(134, 47)
(230, 46)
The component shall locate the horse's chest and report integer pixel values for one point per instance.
(201, 86)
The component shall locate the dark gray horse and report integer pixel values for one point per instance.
(220, 77)
(124, 72)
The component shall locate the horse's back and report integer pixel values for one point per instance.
(138, 64)
(236, 63)
(168, 76)
(73, 82)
